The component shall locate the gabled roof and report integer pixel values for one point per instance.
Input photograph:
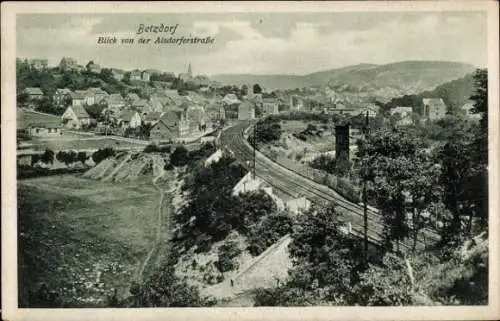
(140, 103)
(133, 96)
(231, 99)
(33, 91)
(433, 102)
(78, 94)
(97, 90)
(80, 112)
(63, 91)
(153, 116)
(171, 118)
(127, 115)
(115, 98)
(32, 119)
(401, 110)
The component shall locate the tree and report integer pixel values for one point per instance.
(323, 256)
(244, 90)
(165, 289)
(179, 157)
(393, 163)
(267, 231)
(82, 157)
(67, 158)
(385, 285)
(101, 154)
(227, 254)
(257, 89)
(48, 157)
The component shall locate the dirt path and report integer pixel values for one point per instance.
(160, 173)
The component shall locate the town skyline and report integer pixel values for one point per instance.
(310, 42)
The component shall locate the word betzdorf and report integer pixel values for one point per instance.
(157, 28)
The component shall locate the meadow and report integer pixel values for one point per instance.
(82, 238)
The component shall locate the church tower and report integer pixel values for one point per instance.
(190, 71)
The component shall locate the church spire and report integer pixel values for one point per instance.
(190, 71)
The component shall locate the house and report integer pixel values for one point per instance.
(98, 94)
(118, 74)
(38, 64)
(145, 76)
(129, 119)
(76, 117)
(214, 158)
(247, 184)
(136, 75)
(142, 106)
(468, 109)
(68, 63)
(93, 67)
(434, 108)
(297, 205)
(38, 124)
(215, 111)
(403, 115)
(170, 127)
(230, 99)
(270, 106)
(196, 117)
(115, 102)
(34, 93)
(78, 98)
(132, 97)
(246, 111)
(158, 103)
(152, 118)
(61, 95)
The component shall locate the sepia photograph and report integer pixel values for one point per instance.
(172, 157)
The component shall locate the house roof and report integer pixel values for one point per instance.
(434, 102)
(231, 99)
(80, 112)
(401, 110)
(63, 91)
(33, 91)
(133, 96)
(140, 103)
(127, 115)
(171, 118)
(115, 98)
(97, 90)
(78, 94)
(29, 118)
(153, 116)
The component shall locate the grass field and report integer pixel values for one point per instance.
(83, 237)
(81, 143)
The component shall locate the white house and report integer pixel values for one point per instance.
(130, 119)
(214, 158)
(75, 117)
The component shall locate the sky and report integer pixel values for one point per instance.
(258, 43)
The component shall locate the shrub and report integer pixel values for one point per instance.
(226, 256)
(102, 154)
(269, 230)
(180, 156)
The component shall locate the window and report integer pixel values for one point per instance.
(37, 130)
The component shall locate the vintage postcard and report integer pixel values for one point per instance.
(254, 160)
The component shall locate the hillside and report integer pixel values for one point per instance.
(454, 93)
(420, 75)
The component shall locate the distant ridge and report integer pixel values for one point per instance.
(425, 74)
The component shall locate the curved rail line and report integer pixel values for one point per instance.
(294, 183)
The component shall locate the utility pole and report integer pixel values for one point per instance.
(254, 151)
(365, 205)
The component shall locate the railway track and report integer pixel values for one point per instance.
(294, 183)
